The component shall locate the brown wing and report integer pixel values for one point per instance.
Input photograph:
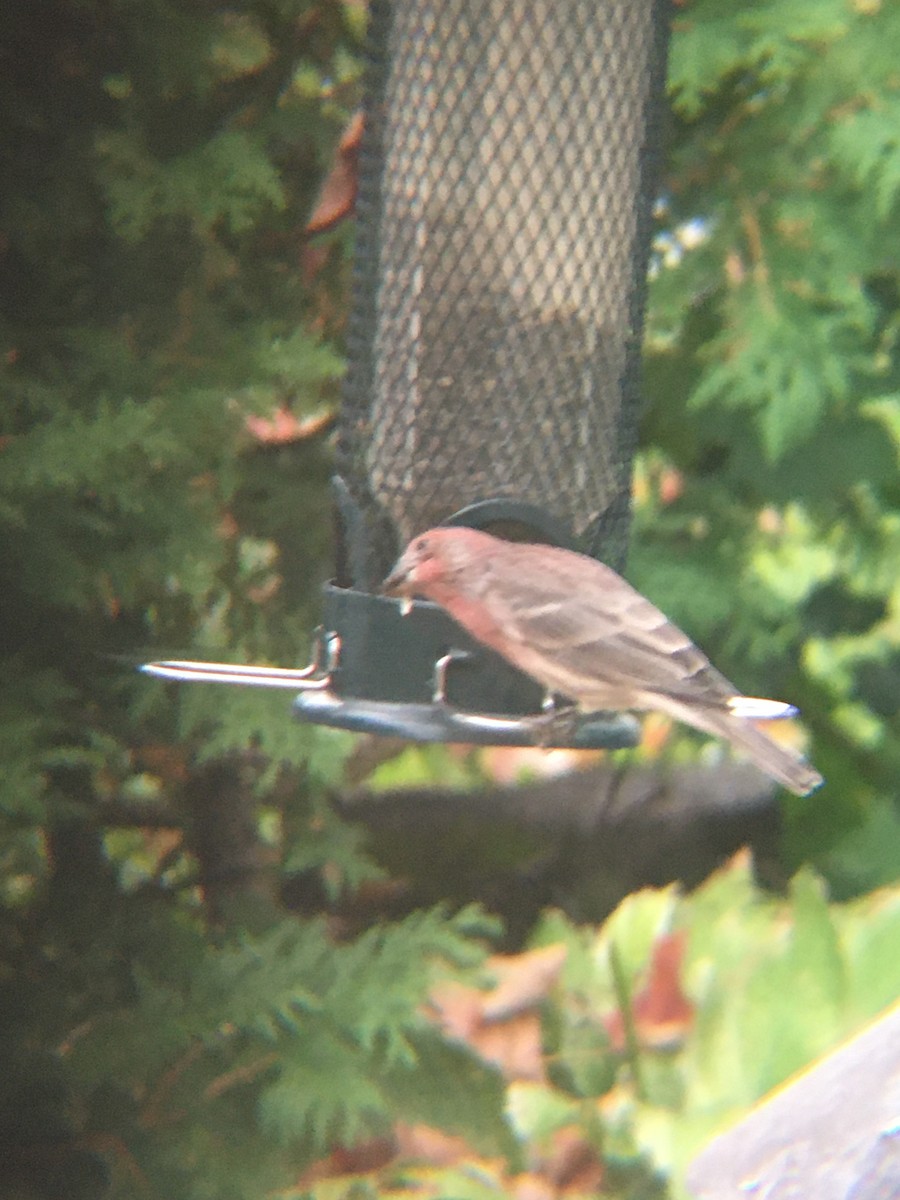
(597, 628)
(583, 631)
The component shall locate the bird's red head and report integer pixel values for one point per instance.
(433, 561)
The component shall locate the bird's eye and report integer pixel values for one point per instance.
(421, 545)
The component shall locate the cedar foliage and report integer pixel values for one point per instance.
(159, 164)
(167, 1028)
(772, 378)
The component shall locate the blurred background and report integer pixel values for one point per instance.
(244, 957)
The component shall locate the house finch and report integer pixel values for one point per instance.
(581, 631)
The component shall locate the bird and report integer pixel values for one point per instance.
(584, 633)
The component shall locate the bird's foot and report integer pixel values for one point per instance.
(557, 724)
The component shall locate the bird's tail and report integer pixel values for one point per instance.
(783, 763)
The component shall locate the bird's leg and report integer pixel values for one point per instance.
(557, 722)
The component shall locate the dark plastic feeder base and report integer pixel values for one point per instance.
(415, 674)
(420, 676)
(438, 723)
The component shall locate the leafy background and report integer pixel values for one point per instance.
(206, 988)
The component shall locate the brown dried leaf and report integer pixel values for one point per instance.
(661, 1012)
(338, 193)
(524, 981)
(503, 1025)
(285, 426)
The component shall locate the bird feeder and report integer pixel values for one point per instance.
(507, 180)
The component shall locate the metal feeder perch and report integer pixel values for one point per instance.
(505, 198)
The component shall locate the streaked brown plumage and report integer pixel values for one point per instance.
(581, 631)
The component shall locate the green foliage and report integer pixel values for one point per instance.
(183, 1013)
(324, 1042)
(337, 850)
(228, 181)
(766, 984)
(775, 983)
(159, 165)
(773, 376)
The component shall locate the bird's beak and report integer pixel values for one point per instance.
(393, 585)
(397, 583)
